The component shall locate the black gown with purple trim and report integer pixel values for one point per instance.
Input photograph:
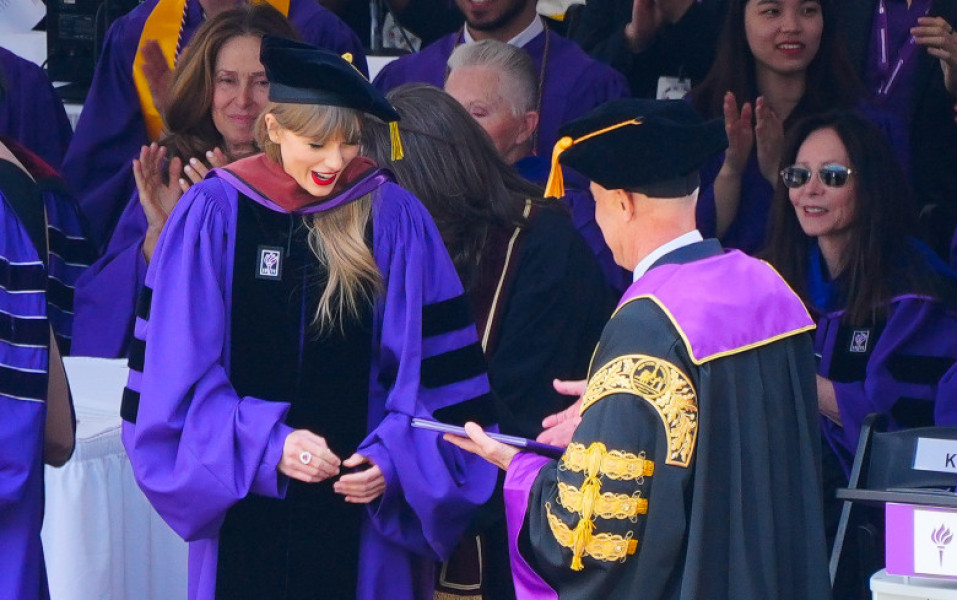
(694, 474)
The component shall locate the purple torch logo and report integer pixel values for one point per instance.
(941, 538)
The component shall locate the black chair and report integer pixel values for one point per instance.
(883, 471)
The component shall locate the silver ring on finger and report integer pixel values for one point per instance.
(305, 457)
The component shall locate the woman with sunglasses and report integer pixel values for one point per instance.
(776, 62)
(885, 305)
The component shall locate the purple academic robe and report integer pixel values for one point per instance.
(111, 127)
(30, 110)
(903, 366)
(197, 447)
(106, 293)
(71, 251)
(24, 339)
(695, 470)
(574, 82)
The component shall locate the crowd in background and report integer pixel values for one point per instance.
(841, 172)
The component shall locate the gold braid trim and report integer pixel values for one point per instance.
(614, 464)
(606, 547)
(606, 505)
(662, 385)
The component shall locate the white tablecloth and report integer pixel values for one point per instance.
(101, 538)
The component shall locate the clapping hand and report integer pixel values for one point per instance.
(648, 16)
(158, 74)
(159, 195)
(769, 133)
(938, 37)
(738, 127)
(156, 196)
(196, 170)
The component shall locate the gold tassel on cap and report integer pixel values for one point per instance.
(397, 152)
(555, 188)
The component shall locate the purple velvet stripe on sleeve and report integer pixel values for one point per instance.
(71, 253)
(916, 326)
(22, 411)
(713, 328)
(519, 479)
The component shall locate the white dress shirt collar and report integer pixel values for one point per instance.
(679, 242)
(519, 41)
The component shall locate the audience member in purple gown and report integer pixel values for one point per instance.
(885, 304)
(570, 82)
(776, 62)
(498, 85)
(122, 109)
(30, 110)
(218, 91)
(906, 54)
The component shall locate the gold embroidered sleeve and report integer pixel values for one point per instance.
(583, 541)
(664, 387)
(607, 505)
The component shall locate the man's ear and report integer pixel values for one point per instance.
(625, 203)
(272, 128)
(529, 126)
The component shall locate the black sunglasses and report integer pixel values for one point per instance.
(833, 176)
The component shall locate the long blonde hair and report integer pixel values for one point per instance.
(337, 236)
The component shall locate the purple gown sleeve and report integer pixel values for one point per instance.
(106, 293)
(919, 332)
(23, 366)
(321, 27)
(432, 488)
(108, 136)
(30, 110)
(71, 253)
(196, 446)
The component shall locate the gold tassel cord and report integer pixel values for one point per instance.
(397, 152)
(555, 188)
(586, 524)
